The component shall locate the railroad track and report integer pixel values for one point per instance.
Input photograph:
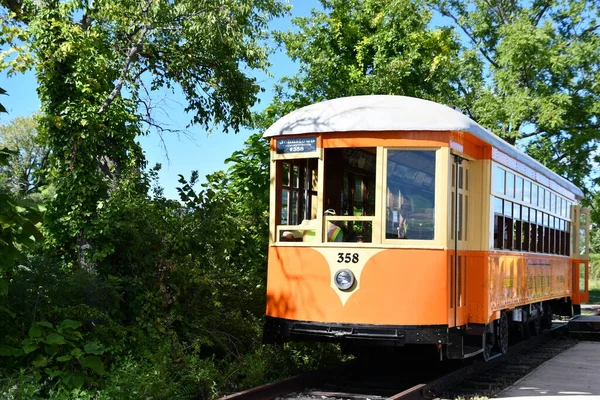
(384, 378)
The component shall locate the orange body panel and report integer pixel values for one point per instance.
(470, 145)
(374, 139)
(397, 287)
(580, 294)
(518, 279)
(410, 286)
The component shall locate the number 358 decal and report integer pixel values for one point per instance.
(347, 258)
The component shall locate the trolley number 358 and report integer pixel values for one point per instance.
(348, 258)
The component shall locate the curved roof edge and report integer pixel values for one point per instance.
(396, 113)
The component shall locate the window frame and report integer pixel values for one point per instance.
(545, 222)
(441, 188)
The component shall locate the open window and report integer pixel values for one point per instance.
(296, 198)
(349, 198)
(346, 209)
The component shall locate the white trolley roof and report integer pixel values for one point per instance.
(396, 113)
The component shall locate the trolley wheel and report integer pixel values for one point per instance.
(502, 324)
(487, 341)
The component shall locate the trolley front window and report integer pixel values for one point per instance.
(349, 195)
(410, 194)
(297, 197)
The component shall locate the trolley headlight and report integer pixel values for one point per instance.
(344, 279)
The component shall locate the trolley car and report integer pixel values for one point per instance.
(396, 221)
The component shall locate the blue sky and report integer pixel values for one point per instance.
(178, 154)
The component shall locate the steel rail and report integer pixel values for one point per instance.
(295, 383)
(421, 391)
(429, 390)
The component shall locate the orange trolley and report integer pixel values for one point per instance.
(397, 221)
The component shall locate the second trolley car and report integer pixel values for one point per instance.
(397, 221)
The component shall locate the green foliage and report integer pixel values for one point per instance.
(93, 72)
(594, 279)
(595, 267)
(542, 63)
(2, 108)
(595, 225)
(368, 47)
(267, 363)
(20, 221)
(176, 299)
(63, 350)
(23, 175)
(58, 352)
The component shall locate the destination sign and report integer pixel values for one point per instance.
(296, 145)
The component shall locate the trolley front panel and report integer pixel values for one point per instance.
(393, 286)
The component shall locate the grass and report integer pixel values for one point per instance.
(594, 288)
(594, 279)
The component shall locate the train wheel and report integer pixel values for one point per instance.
(503, 333)
(487, 340)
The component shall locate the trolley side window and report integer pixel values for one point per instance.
(410, 194)
(527, 216)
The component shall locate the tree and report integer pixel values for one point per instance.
(542, 66)
(20, 221)
(368, 47)
(96, 60)
(2, 108)
(24, 174)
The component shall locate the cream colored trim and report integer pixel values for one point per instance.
(586, 211)
(454, 151)
(449, 196)
(332, 255)
(475, 220)
(380, 179)
(383, 195)
(575, 208)
(410, 244)
(273, 228)
(442, 190)
(349, 218)
(272, 201)
(320, 197)
(576, 213)
(481, 202)
(539, 174)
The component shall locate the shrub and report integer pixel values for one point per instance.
(594, 267)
